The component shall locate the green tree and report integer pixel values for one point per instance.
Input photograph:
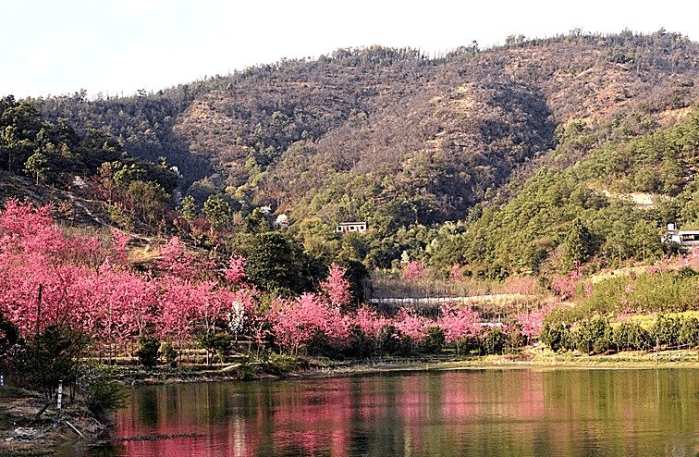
(217, 211)
(187, 208)
(578, 244)
(149, 201)
(37, 165)
(278, 263)
(257, 221)
(8, 145)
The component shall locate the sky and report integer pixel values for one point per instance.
(117, 47)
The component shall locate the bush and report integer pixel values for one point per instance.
(648, 292)
(102, 397)
(281, 364)
(43, 361)
(467, 345)
(434, 342)
(666, 331)
(147, 352)
(319, 345)
(593, 336)
(9, 336)
(218, 343)
(630, 336)
(246, 372)
(516, 338)
(689, 332)
(555, 334)
(493, 341)
(359, 345)
(169, 353)
(392, 341)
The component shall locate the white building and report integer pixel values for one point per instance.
(682, 237)
(282, 221)
(351, 227)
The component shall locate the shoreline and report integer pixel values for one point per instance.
(24, 433)
(318, 368)
(47, 438)
(500, 362)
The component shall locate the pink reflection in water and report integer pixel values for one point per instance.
(455, 413)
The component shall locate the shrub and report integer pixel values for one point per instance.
(687, 272)
(392, 341)
(9, 338)
(45, 360)
(147, 353)
(493, 341)
(169, 353)
(359, 344)
(281, 364)
(246, 372)
(467, 344)
(217, 343)
(630, 336)
(689, 332)
(319, 344)
(516, 338)
(593, 336)
(666, 331)
(101, 397)
(555, 334)
(434, 341)
(9, 335)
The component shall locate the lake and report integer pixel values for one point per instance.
(456, 413)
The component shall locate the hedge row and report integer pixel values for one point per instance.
(596, 335)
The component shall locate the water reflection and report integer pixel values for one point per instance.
(470, 413)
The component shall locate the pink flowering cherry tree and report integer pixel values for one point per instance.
(336, 286)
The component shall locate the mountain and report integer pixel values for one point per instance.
(401, 140)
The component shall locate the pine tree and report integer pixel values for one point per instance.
(578, 245)
(187, 208)
(218, 211)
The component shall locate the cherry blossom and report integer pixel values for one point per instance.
(336, 286)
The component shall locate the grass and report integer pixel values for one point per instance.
(647, 320)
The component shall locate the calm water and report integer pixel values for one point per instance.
(468, 413)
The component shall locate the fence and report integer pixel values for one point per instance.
(491, 307)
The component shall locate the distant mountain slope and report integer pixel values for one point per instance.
(622, 195)
(396, 138)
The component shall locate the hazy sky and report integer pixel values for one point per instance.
(115, 46)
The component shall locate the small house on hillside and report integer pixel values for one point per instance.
(282, 221)
(682, 237)
(351, 227)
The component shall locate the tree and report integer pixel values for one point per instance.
(235, 272)
(296, 323)
(217, 211)
(278, 263)
(37, 165)
(176, 260)
(336, 286)
(458, 323)
(8, 145)
(414, 270)
(148, 201)
(358, 276)
(578, 244)
(187, 208)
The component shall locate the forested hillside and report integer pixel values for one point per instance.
(409, 143)
(608, 207)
